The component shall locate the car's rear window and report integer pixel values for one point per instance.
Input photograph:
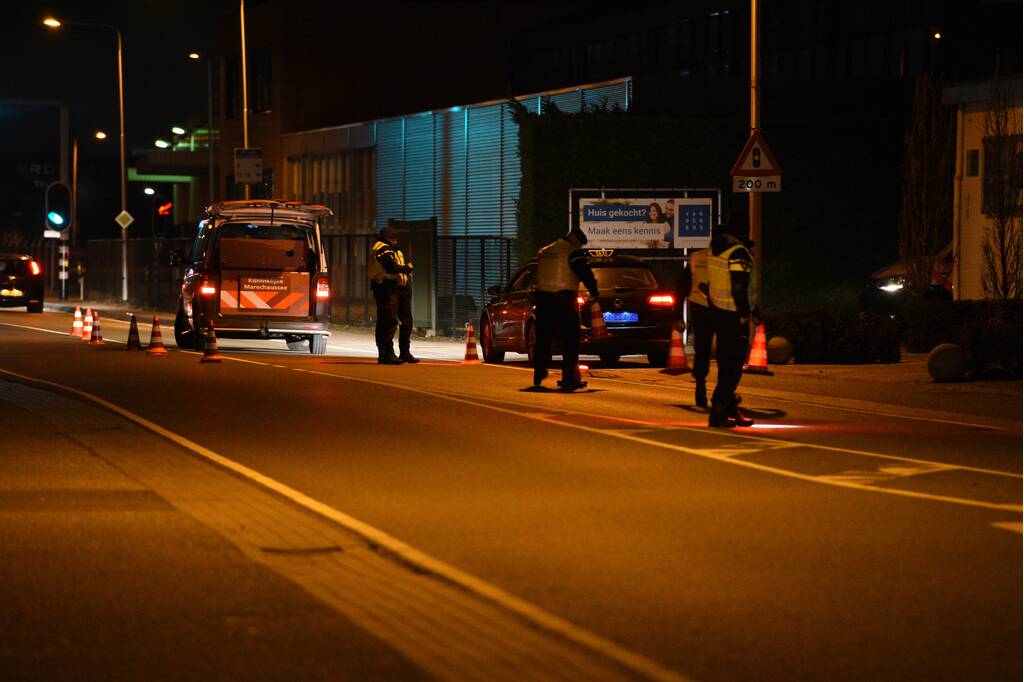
(624, 278)
(14, 267)
(249, 246)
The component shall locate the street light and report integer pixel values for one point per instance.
(149, 191)
(100, 135)
(53, 23)
(162, 144)
(195, 56)
(178, 130)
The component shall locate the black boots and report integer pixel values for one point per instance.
(389, 360)
(408, 358)
(722, 418)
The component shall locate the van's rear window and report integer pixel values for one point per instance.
(264, 247)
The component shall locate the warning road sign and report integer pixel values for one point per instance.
(756, 159)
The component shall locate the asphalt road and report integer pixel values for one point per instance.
(835, 541)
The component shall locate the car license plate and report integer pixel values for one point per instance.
(621, 317)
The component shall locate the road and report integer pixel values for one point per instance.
(501, 532)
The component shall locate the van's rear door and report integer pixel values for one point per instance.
(265, 270)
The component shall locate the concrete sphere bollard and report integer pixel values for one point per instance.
(947, 362)
(780, 350)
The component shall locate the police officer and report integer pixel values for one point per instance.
(729, 267)
(389, 280)
(561, 266)
(692, 291)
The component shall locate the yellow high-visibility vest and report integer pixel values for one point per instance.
(698, 276)
(553, 271)
(376, 272)
(719, 280)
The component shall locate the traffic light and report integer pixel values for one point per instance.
(58, 206)
(165, 209)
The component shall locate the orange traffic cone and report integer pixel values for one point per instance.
(87, 326)
(97, 334)
(757, 362)
(76, 326)
(676, 356)
(210, 352)
(133, 336)
(156, 339)
(471, 357)
(598, 329)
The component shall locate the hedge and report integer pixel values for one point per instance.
(835, 337)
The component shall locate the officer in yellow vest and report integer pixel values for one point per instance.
(389, 276)
(691, 290)
(729, 266)
(561, 266)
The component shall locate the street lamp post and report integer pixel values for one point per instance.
(53, 23)
(209, 117)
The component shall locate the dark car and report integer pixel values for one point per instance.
(21, 282)
(257, 270)
(637, 310)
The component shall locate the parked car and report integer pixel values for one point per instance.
(637, 310)
(21, 282)
(257, 270)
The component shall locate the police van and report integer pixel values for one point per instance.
(257, 270)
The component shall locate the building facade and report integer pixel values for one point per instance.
(987, 180)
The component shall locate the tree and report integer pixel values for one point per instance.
(926, 202)
(1001, 248)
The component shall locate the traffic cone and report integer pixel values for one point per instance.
(598, 329)
(676, 356)
(133, 336)
(87, 326)
(97, 334)
(757, 362)
(76, 326)
(156, 339)
(471, 357)
(210, 352)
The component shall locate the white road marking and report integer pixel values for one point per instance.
(549, 622)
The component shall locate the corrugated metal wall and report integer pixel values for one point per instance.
(462, 164)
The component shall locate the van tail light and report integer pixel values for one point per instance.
(34, 267)
(208, 287)
(662, 300)
(323, 289)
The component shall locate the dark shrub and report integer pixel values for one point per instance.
(830, 337)
(994, 347)
(927, 324)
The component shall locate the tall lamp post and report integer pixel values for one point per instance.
(195, 56)
(53, 23)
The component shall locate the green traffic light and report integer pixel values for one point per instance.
(55, 218)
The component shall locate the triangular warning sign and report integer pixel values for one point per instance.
(756, 158)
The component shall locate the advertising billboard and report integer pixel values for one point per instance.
(654, 222)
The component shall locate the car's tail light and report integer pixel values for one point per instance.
(323, 288)
(208, 287)
(34, 267)
(580, 301)
(662, 299)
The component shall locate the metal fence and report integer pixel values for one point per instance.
(466, 266)
(152, 280)
(463, 269)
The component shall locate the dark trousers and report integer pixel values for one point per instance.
(557, 316)
(394, 311)
(700, 327)
(732, 339)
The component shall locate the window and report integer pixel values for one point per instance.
(262, 72)
(1001, 180)
(973, 162)
(525, 280)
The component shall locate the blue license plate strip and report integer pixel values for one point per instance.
(621, 317)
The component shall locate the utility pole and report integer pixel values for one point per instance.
(755, 124)
(245, 89)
